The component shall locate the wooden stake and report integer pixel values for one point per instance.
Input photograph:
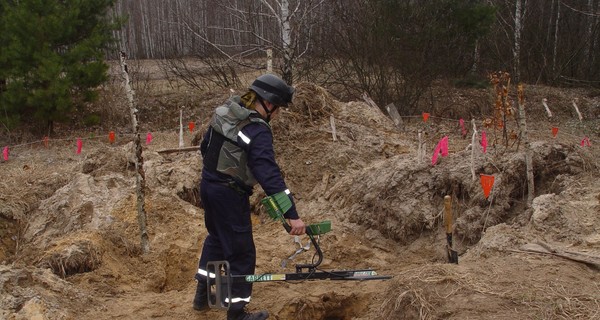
(473, 146)
(194, 148)
(420, 148)
(181, 144)
(393, 112)
(369, 101)
(577, 109)
(526, 145)
(333, 132)
(545, 103)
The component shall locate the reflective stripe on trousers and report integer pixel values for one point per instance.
(205, 274)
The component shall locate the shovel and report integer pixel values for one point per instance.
(452, 254)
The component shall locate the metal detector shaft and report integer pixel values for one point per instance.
(222, 280)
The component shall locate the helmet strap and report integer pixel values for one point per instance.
(269, 112)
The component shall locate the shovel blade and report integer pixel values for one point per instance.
(452, 256)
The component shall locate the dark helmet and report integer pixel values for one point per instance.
(271, 88)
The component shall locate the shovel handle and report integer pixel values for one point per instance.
(448, 214)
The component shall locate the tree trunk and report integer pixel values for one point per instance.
(140, 177)
(555, 51)
(517, 44)
(286, 37)
(587, 58)
(475, 57)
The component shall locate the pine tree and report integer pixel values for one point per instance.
(51, 58)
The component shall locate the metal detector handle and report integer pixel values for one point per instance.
(314, 229)
(287, 227)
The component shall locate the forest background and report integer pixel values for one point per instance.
(52, 61)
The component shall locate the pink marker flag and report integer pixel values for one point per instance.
(585, 142)
(463, 130)
(5, 153)
(442, 147)
(148, 138)
(484, 142)
(79, 145)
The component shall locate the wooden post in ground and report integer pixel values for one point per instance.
(420, 150)
(473, 146)
(393, 112)
(545, 103)
(577, 110)
(333, 131)
(181, 144)
(526, 144)
(140, 177)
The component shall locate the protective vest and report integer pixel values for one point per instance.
(224, 154)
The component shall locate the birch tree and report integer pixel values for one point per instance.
(519, 14)
(555, 48)
(517, 43)
(249, 28)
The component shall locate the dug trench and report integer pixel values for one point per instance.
(70, 235)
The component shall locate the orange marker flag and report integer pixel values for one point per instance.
(554, 131)
(46, 141)
(425, 116)
(487, 182)
(191, 125)
(5, 153)
(148, 138)
(111, 137)
(79, 145)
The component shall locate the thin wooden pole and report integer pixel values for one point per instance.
(526, 144)
(577, 110)
(545, 103)
(333, 131)
(473, 146)
(140, 177)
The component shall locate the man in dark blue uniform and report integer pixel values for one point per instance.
(238, 153)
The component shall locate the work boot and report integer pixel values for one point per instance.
(243, 314)
(201, 298)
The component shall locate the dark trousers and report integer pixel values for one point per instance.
(227, 219)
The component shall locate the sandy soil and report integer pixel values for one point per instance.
(70, 244)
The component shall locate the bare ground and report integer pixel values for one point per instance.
(70, 238)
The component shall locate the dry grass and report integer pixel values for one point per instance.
(427, 292)
(72, 256)
(313, 102)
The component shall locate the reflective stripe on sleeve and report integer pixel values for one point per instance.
(244, 137)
